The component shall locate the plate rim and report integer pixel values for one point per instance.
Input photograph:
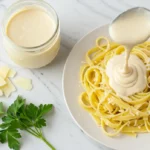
(63, 84)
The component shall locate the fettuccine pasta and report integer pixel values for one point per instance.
(99, 99)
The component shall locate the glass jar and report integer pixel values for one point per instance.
(31, 57)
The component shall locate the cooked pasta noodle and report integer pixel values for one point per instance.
(100, 100)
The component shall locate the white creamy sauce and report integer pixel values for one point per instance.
(30, 27)
(35, 33)
(127, 73)
(132, 27)
(126, 84)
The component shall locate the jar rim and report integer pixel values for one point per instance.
(31, 49)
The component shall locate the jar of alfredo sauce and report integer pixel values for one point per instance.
(31, 33)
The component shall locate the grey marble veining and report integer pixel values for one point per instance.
(77, 18)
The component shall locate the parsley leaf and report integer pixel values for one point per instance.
(7, 119)
(44, 109)
(31, 111)
(12, 136)
(40, 123)
(25, 117)
(15, 108)
(3, 136)
(1, 108)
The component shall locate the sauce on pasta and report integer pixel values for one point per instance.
(116, 77)
(128, 76)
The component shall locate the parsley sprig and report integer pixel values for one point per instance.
(24, 117)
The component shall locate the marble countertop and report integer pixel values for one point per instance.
(77, 18)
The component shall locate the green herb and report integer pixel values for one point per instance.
(10, 135)
(25, 117)
(1, 108)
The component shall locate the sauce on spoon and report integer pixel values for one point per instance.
(129, 76)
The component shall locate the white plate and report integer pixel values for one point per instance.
(72, 90)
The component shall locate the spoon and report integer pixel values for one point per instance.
(131, 27)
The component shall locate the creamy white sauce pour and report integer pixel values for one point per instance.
(126, 72)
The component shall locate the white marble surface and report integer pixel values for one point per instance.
(77, 18)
